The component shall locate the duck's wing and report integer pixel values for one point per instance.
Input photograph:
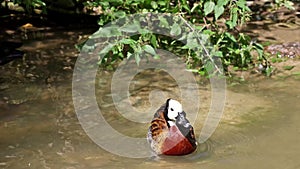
(158, 126)
(191, 137)
(186, 128)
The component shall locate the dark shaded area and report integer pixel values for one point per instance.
(8, 51)
(46, 42)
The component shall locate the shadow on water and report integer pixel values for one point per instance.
(39, 129)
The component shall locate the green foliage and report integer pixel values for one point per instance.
(217, 19)
(286, 3)
(236, 51)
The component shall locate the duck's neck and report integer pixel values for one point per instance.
(171, 123)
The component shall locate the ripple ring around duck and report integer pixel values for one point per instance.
(99, 44)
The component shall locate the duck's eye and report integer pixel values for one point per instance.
(172, 109)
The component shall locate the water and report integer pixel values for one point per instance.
(260, 129)
(39, 129)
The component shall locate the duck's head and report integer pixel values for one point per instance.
(172, 111)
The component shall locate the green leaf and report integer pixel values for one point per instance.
(107, 32)
(202, 73)
(231, 37)
(209, 32)
(163, 22)
(143, 31)
(209, 67)
(237, 51)
(192, 42)
(222, 2)
(137, 58)
(149, 49)
(156, 57)
(288, 67)
(101, 22)
(199, 28)
(234, 16)
(208, 7)
(296, 73)
(219, 10)
(120, 54)
(129, 55)
(127, 41)
(104, 4)
(218, 54)
(269, 71)
(258, 45)
(289, 5)
(175, 30)
(236, 68)
(229, 24)
(162, 3)
(186, 7)
(153, 41)
(130, 28)
(116, 2)
(241, 3)
(154, 4)
(182, 37)
(119, 14)
(260, 52)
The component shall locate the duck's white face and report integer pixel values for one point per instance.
(174, 109)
